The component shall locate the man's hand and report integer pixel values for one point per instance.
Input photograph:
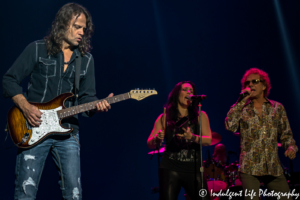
(248, 90)
(32, 114)
(290, 153)
(104, 106)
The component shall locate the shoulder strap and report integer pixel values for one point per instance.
(77, 75)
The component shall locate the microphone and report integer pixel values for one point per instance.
(197, 97)
(244, 94)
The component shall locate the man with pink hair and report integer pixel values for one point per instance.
(260, 121)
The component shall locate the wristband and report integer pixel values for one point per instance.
(193, 138)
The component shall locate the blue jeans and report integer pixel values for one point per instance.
(65, 152)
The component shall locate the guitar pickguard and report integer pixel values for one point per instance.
(50, 123)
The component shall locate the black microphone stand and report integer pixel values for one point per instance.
(200, 143)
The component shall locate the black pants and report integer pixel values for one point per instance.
(276, 183)
(170, 183)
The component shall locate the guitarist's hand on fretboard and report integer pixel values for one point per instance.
(104, 106)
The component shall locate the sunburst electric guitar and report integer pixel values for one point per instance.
(26, 136)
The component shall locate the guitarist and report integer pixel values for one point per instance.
(50, 63)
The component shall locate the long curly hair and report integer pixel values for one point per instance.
(62, 23)
(263, 76)
(172, 111)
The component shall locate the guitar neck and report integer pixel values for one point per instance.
(68, 112)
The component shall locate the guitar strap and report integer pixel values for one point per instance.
(77, 76)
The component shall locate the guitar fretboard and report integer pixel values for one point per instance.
(68, 112)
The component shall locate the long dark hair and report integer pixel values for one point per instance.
(61, 24)
(172, 111)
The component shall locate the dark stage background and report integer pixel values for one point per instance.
(156, 44)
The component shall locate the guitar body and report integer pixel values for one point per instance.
(26, 136)
(20, 130)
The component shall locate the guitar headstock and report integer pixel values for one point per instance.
(141, 94)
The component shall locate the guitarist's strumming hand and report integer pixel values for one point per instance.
(31, 112)
(33, 115)
(104, 106)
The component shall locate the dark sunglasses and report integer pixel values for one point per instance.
(254, 82)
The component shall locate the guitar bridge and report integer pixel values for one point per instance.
(25, 137)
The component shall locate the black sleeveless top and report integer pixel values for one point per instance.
(180, 155)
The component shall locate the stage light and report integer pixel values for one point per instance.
(293, 72)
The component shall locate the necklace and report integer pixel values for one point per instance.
(66, 63)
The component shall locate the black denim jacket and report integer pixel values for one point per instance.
(48, 79)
